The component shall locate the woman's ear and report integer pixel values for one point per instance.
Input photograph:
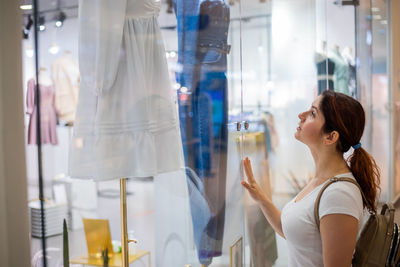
(331, 138)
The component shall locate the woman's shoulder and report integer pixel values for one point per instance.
(344, 186)
(342, 197)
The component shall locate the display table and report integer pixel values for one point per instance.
(115, 260)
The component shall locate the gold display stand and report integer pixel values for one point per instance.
(124, 258)
(124, 226)
(115, 260)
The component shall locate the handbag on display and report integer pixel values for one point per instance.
(378, 244)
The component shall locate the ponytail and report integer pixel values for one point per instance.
(346, 115)
(366, 172)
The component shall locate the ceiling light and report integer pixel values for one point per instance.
(384, 22)
(59, 18)
(54, 49)
(376, 17)
(177, 86)
(27, 27)
(172, 54)
(375, 9)
(41, 22)
(29, 51)
(25, 7)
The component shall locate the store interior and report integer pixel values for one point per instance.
(278, 49)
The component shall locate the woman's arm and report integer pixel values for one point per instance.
(270, 211)
(338, 234)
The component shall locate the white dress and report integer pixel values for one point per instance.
(126, 122)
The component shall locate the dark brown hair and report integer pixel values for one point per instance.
(345, 115)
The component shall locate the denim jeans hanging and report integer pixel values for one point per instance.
(203, 112)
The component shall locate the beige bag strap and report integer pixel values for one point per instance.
(331, 181)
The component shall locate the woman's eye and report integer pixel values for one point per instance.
(312, 113)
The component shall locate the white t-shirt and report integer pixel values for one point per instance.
(299, 226)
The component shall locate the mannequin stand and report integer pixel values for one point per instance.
(124, 226)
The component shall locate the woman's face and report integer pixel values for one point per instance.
(310, 125)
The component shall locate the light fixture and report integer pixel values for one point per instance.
(172, 54)
(384, 22)
(25, 7)
(376, 17)
(41, 22)
(29, 51)
(59, 18)
(27, 27)
(375, 9)
(368, 38)
(177, 86)
(54, 49)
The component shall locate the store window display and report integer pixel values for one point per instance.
(325, 69)
(124, 94)
(48, 117)
(335, 69)
(65, 74)
(203, 112)
(126, 123)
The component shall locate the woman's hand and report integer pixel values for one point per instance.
(254, 189)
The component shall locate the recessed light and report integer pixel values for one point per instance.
(54, 48)
(25, 7)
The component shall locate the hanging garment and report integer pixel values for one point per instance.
(126, 122)
(65, 75)
(325, 71)
(342, 73)
(203, 110)
(48, 118)
(352, 80)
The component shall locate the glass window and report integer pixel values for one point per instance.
(171, 96)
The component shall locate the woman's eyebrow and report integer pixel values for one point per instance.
(315, 108)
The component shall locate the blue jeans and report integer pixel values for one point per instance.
(203, 117)
(202, 51)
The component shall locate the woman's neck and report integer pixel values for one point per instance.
(328, 165)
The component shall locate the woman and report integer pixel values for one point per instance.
(334, 123)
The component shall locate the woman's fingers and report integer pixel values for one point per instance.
(248, 170)
(245, 184)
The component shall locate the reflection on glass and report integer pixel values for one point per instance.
(380, 95)
(203, 112)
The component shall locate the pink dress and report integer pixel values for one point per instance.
(48, 119)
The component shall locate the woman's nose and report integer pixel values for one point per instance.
(301, 115)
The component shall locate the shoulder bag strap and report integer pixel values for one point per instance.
(331, 181)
